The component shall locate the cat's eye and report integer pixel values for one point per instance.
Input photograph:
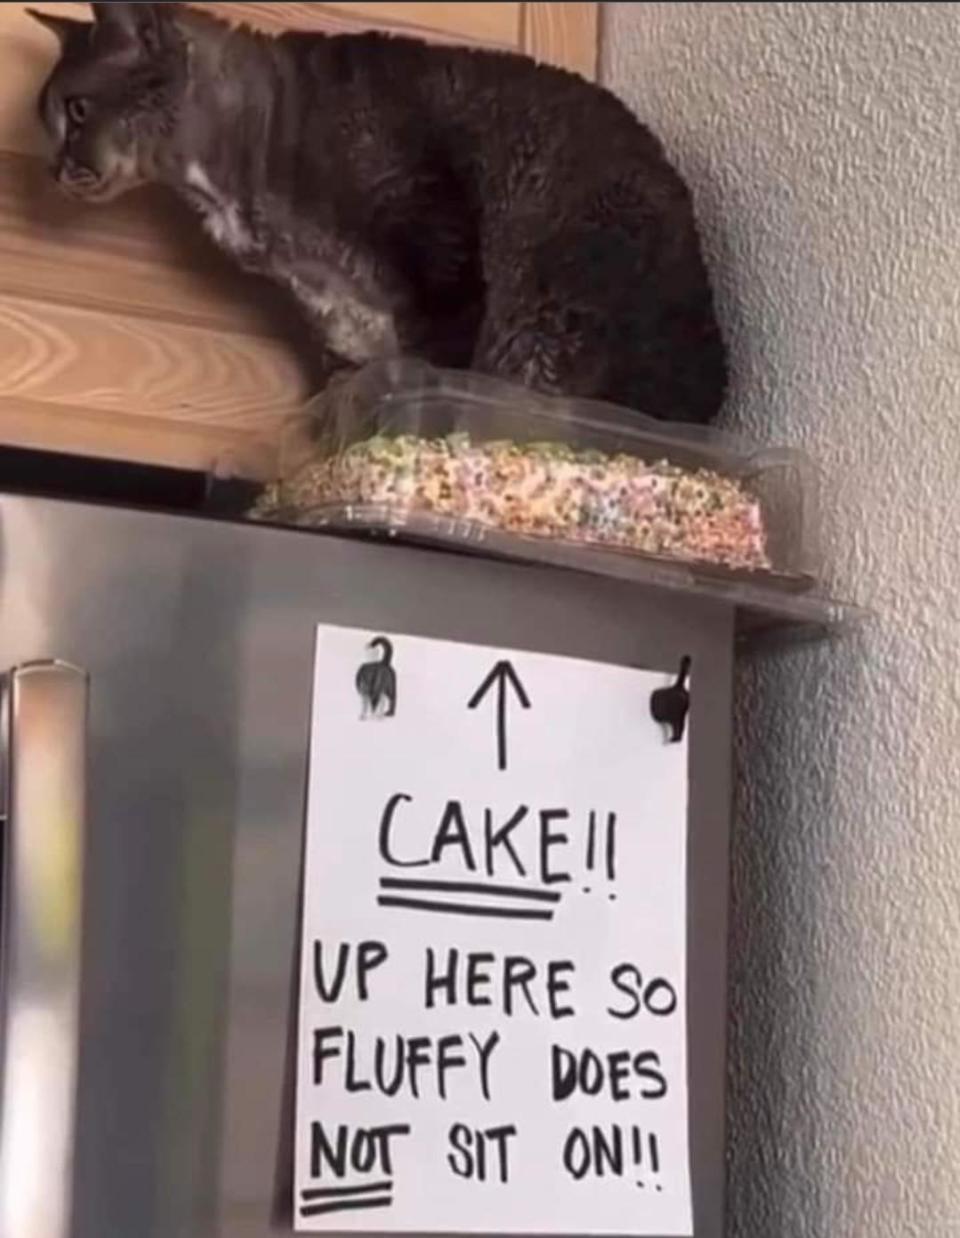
(78, 109)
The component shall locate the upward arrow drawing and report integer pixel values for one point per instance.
(500, 677)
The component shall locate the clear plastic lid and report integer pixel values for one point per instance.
(460, 459)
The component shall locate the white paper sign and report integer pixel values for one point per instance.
(492, 1005)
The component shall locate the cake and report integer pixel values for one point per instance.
(534, 490)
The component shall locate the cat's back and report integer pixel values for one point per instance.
(482, 103)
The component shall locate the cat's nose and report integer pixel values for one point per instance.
(74, 176)
(68, 169)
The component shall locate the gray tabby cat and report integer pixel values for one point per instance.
(469, 208)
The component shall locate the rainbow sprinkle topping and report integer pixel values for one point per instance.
(543, 490)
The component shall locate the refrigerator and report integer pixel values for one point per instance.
(157, 674)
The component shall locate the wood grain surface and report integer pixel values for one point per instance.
(142, 256)
(123, 333)
(494, 24)
(564, 34)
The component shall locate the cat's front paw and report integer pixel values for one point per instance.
(337, 403)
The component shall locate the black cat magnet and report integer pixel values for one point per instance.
(376, 681)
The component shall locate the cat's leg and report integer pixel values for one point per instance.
(545, 323)
(587, 311)
(326, 368)
(330, 377)
(552, 349)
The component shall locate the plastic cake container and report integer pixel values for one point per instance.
(460, 460)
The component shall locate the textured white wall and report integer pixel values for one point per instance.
(823, 146)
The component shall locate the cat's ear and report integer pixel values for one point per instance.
(65, 28)
(125, 26)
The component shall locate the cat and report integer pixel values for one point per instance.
(468, 208)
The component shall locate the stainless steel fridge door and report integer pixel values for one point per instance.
(197, 640)
(45, 729)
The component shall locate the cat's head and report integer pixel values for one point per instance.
(113, 96)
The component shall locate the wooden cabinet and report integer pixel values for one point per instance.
(122, 332)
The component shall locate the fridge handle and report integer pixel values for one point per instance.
(45, 718)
